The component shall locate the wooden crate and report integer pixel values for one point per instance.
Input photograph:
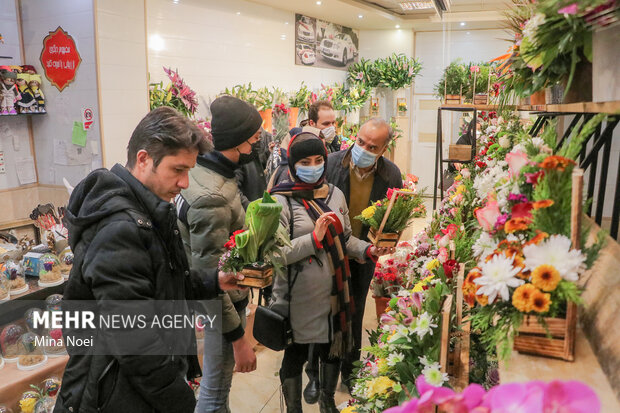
(481, 99)
(459, 152)
(453, 99)
(384, 239)
(257, 277)
(533, 338)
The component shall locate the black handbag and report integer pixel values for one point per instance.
(272, 329)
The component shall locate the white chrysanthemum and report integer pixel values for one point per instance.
(433, 375)
(484, 245)
(504, 142)
(497, 275)
(519, 147)
(395, 358)
(556, 251)
(529, 30)
(424, 325)
(538, 142)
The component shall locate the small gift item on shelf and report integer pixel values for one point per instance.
(29, 319)
(9, 94)
(50, 386)
(30, 354)
(53, 302)
(37, 93)
(4, 287)
(374, 106)
(66, 262)
(45, 405)
(388, 218)
(49, 271)
(10, 342)
(54, 344)
(17, 280)
(401, 105)
(256, 251)
(28, 401)
(30, 263)
(27, 103)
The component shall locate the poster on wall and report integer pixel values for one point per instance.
(323, 44)
(60, 58)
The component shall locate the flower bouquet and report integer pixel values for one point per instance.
(256, 251)
(176, 94)
(388, 217)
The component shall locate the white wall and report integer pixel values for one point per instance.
(123, 84)
(376, 44)
(436, 50)
(39, 17)
(214, 48)
(14, 136)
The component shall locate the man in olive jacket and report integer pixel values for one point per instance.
(210, 210)
(364, 176)
(123, 232)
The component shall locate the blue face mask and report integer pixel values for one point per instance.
(362, 158)
(310, 174)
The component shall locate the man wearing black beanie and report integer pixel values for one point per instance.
(210, 210)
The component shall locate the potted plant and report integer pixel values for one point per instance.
(256, 251)
(363, 73)
(453, 81)
(299, 101)
(263, 101)
(388, 218)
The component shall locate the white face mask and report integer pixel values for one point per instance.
(329, 133)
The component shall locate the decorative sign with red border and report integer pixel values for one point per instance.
(60, 58)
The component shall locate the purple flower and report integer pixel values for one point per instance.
(518, 198)
(515, 398)
(501, 220)
(570, 396)
(570, 9)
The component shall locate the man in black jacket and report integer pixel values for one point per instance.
(123, 231)
(364, 176)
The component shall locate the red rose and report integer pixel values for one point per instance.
(449, 267)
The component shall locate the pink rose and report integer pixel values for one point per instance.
(571, 9)
(516, 161)
(488, 215)
(443, 254)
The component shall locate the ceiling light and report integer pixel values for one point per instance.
(467, 32)
(175, 1)
(285, 22)
(360, 16)
(156, 43)
(416, 5)
(397, 26)
(318, 3)
(238, 13)
(462, 23)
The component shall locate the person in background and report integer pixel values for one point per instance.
(210, 210)
(364, 176)
(123, 231)
(321, 115)
(251, 176)
(321, 308)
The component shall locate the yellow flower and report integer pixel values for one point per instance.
(369, 212)
(546, 277)
(540, 302)
(350, 409)
(27, 405)
(431, 265)
(379, 386)
(458, 177)
(460, 189)
(382, 366)
(522, 297)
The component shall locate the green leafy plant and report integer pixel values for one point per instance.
(364, 72)
(177, 94)
(454, 80)
(300, 98)
(405, 208)
(263, 99)
(243, 92)
(397, 71)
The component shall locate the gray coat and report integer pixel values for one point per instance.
(310, 299)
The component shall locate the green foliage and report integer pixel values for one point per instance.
(364, 72)
(397, 71)
(262, 219)
(263, 99)
(454, 80)
(572, 148)
(243, 92)
(300, 98)
(406, 207)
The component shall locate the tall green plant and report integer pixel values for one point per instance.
(454, 80)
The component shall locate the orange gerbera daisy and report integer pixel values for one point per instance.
(540, 236)
(556, 162)
(516, 224)
(483, 300)
(469, 287)
(546, 277)
(540, 302)
(522, 297)
(545, 203)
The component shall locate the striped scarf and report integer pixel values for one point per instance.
(312, 197)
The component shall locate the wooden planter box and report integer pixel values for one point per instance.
(453, 99)
(481, 99)
(533, 337)
(459, 153)
(384, 239)
(257, 277)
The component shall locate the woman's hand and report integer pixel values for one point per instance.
(377, 252)
(320, 227)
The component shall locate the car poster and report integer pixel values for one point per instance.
(323, 44)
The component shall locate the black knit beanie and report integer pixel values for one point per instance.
(233, 122)
(303, 145)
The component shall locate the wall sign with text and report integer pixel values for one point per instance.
(60, 58)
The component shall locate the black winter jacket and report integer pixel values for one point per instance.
(387, 175)
(127, 247)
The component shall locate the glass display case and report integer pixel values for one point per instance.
(17, 279)
(10, 342)
(49, 271)
(31, 354)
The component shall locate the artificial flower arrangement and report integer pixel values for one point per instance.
(176, 94)
(531, 397)
(388, 217)
(256, 251)
(526, 264)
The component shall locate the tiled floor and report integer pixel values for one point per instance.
(259, 391)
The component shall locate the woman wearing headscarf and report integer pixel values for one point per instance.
(321, 308)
